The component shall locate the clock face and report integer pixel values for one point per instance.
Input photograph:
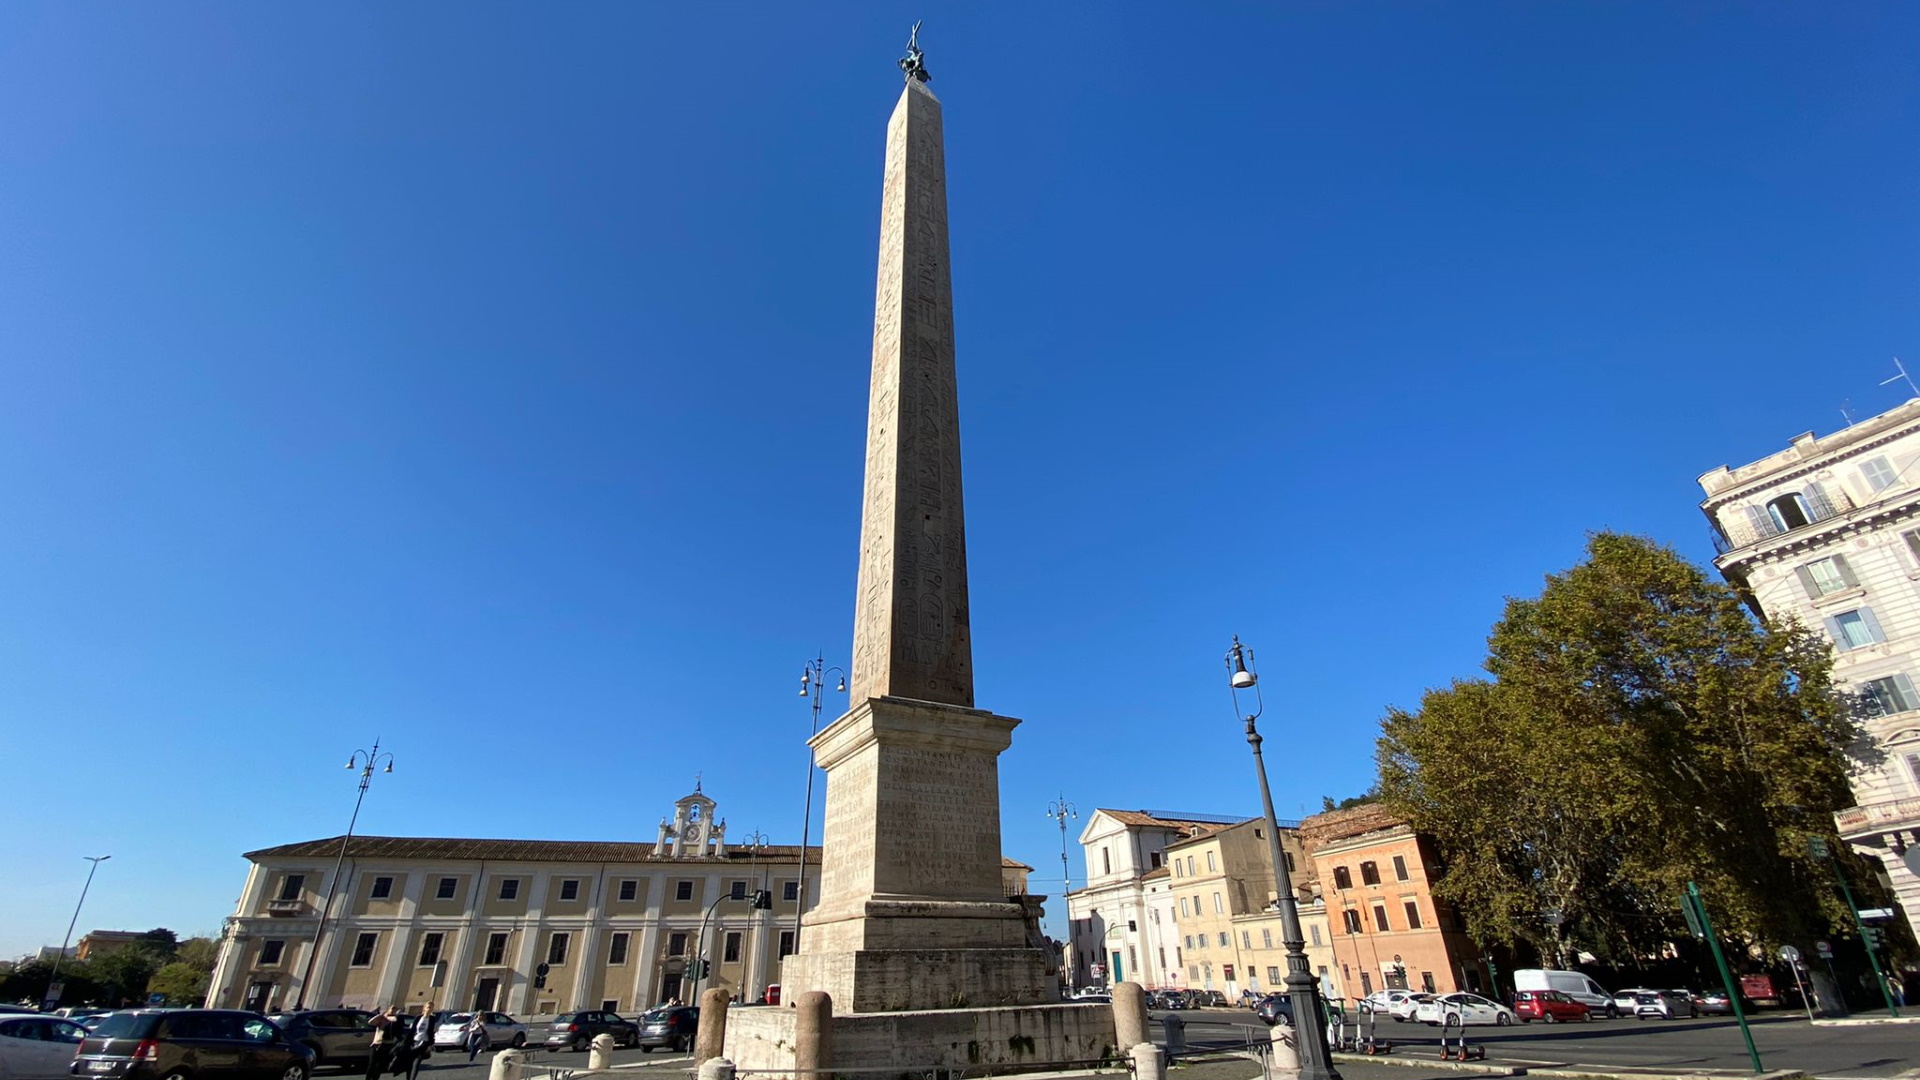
(692, 831)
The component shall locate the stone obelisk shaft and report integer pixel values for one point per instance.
(910, 632)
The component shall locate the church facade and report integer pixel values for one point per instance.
(530, 927)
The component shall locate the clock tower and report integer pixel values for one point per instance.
(693, 832)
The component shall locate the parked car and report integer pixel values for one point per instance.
(1275, 1009)
(1404, 1009)
(1663, 1004)
(37, 1047)
(1713, 1003)
(502, 1030)
(670, 1026)
(1096, 997)
(1551, 1006)
(1207, 999)
(336, 1036)
(1383, 1001)
(198, 1044)
(1573, 984)
(1469, 1008)
(576, 1030)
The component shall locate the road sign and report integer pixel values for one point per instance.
(1790, 954)
(1098, 970)
(1876, 913)
(542, 969)
(156, 999)
(1824, 949)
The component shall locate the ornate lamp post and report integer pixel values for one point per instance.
(365, 761)
(1310, 1034)
(1061, 810)
(53, 982)
(813, 684)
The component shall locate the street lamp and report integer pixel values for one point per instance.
(1316, 1062)
(366, 761)
(53, 981)
(1062, 811)
(813, 684)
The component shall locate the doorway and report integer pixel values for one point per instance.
(484, 996)
(670, 986)
(257, 995)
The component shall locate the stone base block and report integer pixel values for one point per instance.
(1034, 1038)
(898, 980)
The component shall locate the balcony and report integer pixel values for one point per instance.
(288, 908)
(1872, 823)
(1782, 515)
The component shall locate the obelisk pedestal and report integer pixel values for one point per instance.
(927, 960)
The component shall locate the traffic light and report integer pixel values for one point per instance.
(1873, 937)
(539, 982)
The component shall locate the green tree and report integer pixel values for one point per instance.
(201, 952)
(1639, 730)
(182, 983)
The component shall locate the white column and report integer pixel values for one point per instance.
(530, 954)
(405, 933)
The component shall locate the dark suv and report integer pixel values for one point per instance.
(336, 1036)
(575, 1030)
(194, 1044)
(671, 1026)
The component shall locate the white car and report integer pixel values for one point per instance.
(1403, 1011)
(37, 1047)
(1463, 1008)
(502, 1030)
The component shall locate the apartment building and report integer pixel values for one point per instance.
(1229, 929)
(1386, 927)
(1120, 918)
(1827, 532)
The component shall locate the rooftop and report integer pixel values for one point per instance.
(453, 849)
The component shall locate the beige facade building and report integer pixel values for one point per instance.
(468, 923)
(1229, 929)
(1827, 532)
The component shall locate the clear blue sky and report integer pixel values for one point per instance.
(491, 379)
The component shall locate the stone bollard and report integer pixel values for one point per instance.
(1175, 1030)
(1149, 1062)
(718, 1068)
(710, 1039)
(1129, 1015)
(600, 1053)
(1283, 1057)
(507, 1065)
(813, 1034)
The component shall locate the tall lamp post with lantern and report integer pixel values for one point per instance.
(366, 761)
(1303, 990)
(813, 685)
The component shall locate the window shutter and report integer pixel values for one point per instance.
(1838, 635)
(1873, 625)
(1846, 572)
(1816, 497)
(1760, 522)
(1908, 700)
(1806, 582)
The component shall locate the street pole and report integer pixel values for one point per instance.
(53, 982)
(364, 760)
(1309, 1028)
(1817, 847)
(1060, 810)
(1699, 909)
(813, 684)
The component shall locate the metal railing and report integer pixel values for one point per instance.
(1815, 505)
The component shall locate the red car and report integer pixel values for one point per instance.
(1549, 1005)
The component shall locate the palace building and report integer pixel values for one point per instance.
(527, 926)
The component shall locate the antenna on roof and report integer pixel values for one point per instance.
(1846, 411)
(1902, 369)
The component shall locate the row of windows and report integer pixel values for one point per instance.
(1184, 867)
(1246, 938)
(446, 888)
(559, 944)
(1354, 924)
(1369, 873)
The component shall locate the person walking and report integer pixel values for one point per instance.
(385, 1036)
(476, 1032)
(421, 1045)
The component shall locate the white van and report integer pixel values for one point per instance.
(1571, 983)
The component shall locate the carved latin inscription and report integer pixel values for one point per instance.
(938, 822)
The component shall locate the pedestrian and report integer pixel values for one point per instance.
(476, 1032)
(385, 1035)
(421, 1047)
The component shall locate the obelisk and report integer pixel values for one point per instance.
(912, 911)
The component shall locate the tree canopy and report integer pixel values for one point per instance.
(1639, 729)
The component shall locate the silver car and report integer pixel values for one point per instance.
(502, 1030)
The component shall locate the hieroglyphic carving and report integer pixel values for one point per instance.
(911, 634)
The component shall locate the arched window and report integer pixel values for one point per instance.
(1789, 511)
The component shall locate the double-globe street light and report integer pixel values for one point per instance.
(813, 684)
(366, 761)
(1061, 810)
(50, 998)
(1310, 1035)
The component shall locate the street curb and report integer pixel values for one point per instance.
(1478, 1068)
(1857, 1021)
(1589, 1073)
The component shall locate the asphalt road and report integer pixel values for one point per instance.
(1785, 1041)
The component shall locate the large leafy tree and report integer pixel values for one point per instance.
(1639, 730)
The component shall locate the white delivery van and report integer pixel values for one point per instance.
(1571, 983)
